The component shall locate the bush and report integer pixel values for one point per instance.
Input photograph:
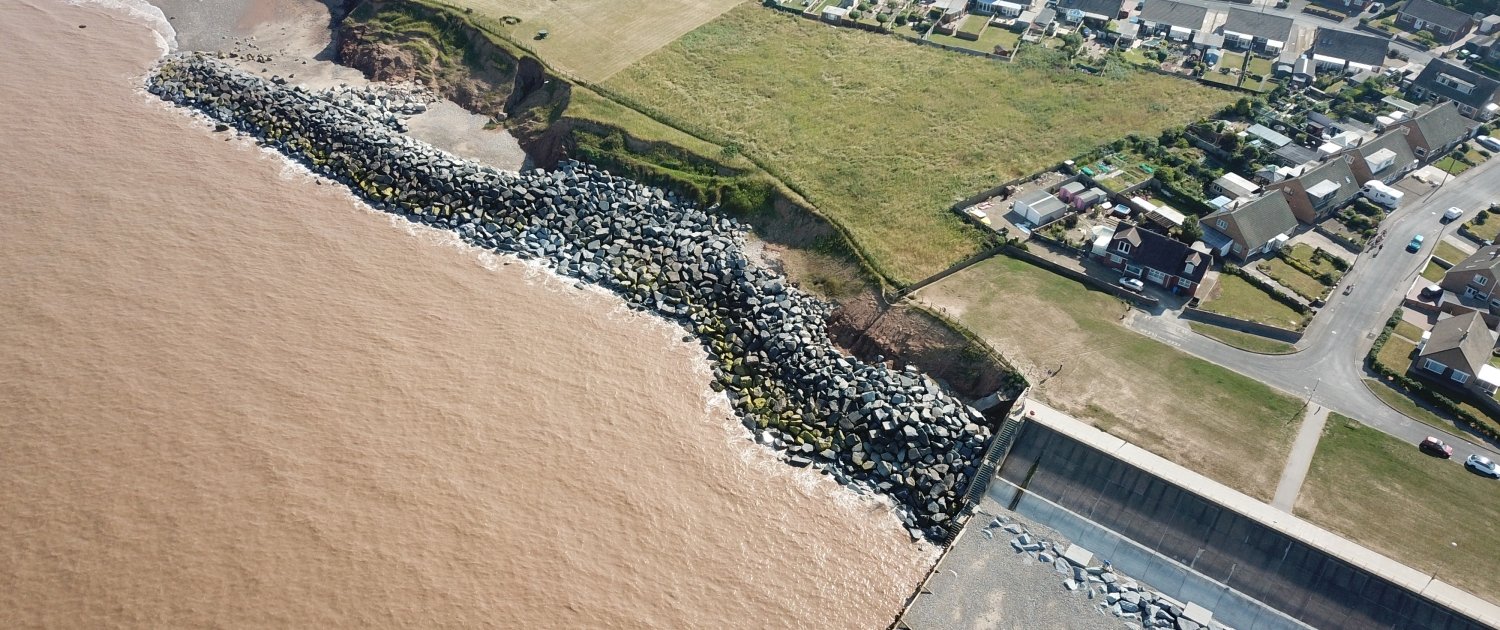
(1275, 293)
(901, 20)
(1070, 221)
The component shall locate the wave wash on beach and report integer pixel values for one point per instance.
(867, 425)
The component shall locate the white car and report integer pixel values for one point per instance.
(1452, 213)
(1134, 284)
(1488, 143)
(1482, 465)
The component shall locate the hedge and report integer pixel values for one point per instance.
(1276, 294)
(1420, 390)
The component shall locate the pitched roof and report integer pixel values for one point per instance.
(1483, 92)
(1429, 11)
(1486, 259)
(1160, 252)
(1362, 49)
(1260, 220)
(1174, 13)
(1264, 25)
(1442, 125)
(1466, 333)
(1337, 170)
(1394, 141)
(1107, 8)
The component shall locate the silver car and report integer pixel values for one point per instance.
(1482, 465)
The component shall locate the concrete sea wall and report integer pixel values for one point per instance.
(893, 431)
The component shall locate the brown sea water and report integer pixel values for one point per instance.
(232, 397)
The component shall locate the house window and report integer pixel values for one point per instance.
(1459, 377)
(1222, 224)
(1481, 280)
(1133, 270)
(1123, 247)
(1420, 152)
(1157, 277)
(1116, 259)
(1184, 284)
(1434, 366)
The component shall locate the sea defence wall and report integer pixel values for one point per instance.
(873, 427)
(1187, 534)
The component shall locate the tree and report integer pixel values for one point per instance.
(1242, 107)
(1190, 231)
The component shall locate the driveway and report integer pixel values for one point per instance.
(1328, 368)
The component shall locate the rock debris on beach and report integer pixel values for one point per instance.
(868, 425)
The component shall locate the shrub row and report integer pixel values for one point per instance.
(1420, 390)
(1276, 294)
(1326, 278)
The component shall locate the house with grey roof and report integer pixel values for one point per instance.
(1387, 158)
(1476, 96)
(1265, 32)
(1437, 130)
(1156, 258)
(1176, 20)
(1247, 228)
(1343, 51)
(1446, 24)
(1476, 277)
(1456, 354)
(1322, 189)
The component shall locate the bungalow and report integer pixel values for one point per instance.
(1247, 228)
(1476, 96)
(1264, 32)
(1322, 189)
(1158, 259)
(1039, 208)
(1456, 354)
(1233, 186)
(1095, 12)
(1176, 20)
(1349, 52)
(1476, 277)
(1446, 24)
(1387, 158)
(1437, 130)
(1002, 8)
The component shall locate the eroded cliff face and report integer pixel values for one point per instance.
(410, 42)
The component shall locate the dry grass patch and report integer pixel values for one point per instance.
(1385, 494)
(1205, 417)
(594, 39)
(883, 135)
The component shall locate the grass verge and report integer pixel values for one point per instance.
(1069, 342)
(1243, 341)
(1292, 278)
(883, 135)
(1237, 298)
(1385, 494)
(1449, 252)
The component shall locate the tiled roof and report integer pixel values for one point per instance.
(1107, 8)
(1483, 93)
(1174, 13)
(1443, 125)
(1160, 252)
(1259, 220)
(1264, 25)
(1466, 333)
(1429, 11)
(1362, 49)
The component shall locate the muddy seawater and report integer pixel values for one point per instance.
(231, 396)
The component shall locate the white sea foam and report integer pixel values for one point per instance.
(143, 12)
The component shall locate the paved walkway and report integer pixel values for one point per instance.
(1298, 463)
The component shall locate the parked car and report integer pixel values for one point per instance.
(1134, 284)
(1452, 213)
(1483, 466)
(1436, 447)
(1488, 143)
(1415, 245)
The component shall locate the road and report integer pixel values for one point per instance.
(1328, 368)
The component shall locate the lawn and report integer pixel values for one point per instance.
(1237, 298)
(1433, 272)
(1205, 417)
(1385, 494)
(1409, 330)
(594, 39)
(1243, 341)
(1290, 277)
(884, 135)
(1489, 229)
(1451, 166)
(1304, 254)
(1396, 353)
(1447, 251)
(1260, 66)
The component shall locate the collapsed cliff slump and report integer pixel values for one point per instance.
(557, 121)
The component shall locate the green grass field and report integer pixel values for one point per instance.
(1488, 230)
(884, 135)
(1292, 278)
(1243, 341)
(1385, 494)
(1069, 342)
(1409, 330)
(1448, 252)
(1396, 354)
(1433, 272)
(1237, 298)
